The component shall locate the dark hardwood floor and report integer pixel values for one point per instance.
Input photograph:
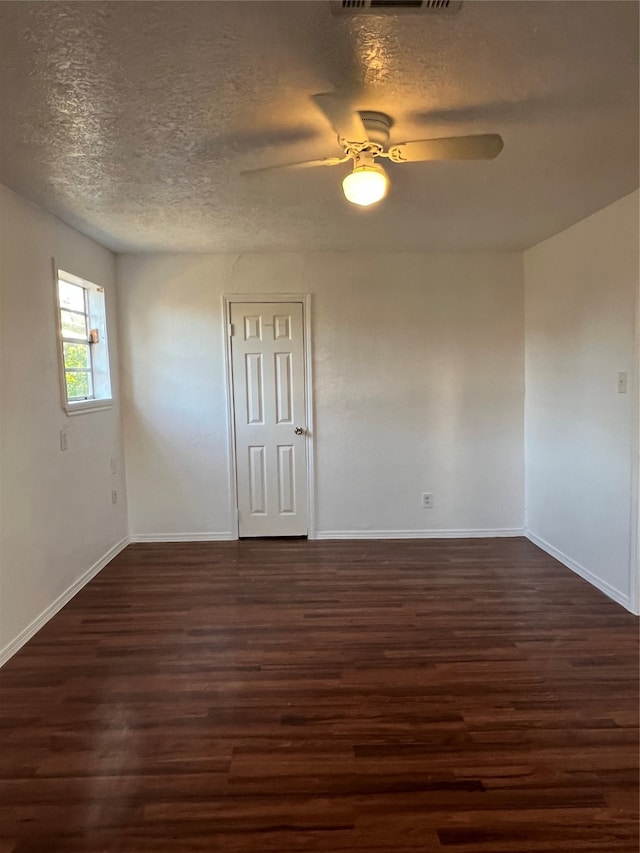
(461, 696)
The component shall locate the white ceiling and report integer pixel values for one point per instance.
(132, 121)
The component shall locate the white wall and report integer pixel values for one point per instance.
(57, 521)
(418, 372)
(581, 291)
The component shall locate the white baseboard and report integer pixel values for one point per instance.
(182, 537)
(585, 574)
(483, 533)
(27, 633)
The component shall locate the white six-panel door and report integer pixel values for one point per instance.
(267, 366)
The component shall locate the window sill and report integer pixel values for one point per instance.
(85, 406)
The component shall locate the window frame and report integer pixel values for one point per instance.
(76, 406)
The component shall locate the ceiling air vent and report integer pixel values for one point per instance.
(394, 7)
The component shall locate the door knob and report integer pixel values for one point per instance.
(298, 430)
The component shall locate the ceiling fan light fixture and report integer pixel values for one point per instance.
(366, 185)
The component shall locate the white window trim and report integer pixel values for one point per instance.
(73, 407)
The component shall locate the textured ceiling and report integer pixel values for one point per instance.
(132, 121)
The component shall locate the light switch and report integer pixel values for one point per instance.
(64, 444)
(622, 383)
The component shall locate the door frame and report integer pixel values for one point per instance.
(228, 299)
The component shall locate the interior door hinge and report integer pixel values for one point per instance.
(231, 330)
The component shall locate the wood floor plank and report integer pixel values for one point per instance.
(469, 696)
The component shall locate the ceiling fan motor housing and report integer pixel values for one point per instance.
(377, 126)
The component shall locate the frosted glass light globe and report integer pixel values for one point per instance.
(365, 185)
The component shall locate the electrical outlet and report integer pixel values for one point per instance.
(622, 383)
(114, 496)
(427, 500)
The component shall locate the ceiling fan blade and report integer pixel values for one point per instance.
(346, 121)
(305, 164)
(484, 146)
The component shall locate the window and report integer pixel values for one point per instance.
(83, 344)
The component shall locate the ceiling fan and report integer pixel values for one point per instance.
(364, 137)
